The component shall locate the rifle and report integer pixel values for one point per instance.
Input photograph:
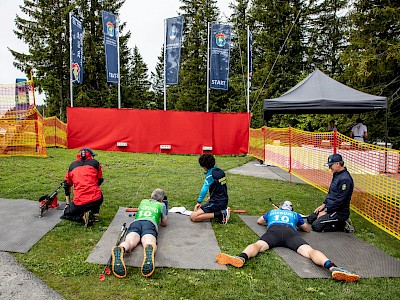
(46, 201)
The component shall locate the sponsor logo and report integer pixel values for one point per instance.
(220, 39)
(110, 29)
(344, 187)
(173, 33)
(75, 72)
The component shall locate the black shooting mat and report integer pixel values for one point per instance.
(345, 249)
(181, 244)
(20, 225)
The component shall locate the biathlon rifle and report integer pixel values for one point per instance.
(107, 270)
(273, 204)
(46, 201)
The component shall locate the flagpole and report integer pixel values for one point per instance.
(208, 64)
(71, 89)
(165, 75)
(248, 69)
(119, 72)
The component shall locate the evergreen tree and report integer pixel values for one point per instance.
(46, 32)
(157, 82)
(326, 30)
(236, 97)
(278, 50)
(138, 94)
(193, 73)
(372, 61)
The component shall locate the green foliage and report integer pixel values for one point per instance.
(59, 257)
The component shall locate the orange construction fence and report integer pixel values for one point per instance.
(375, 170)
(55, 132)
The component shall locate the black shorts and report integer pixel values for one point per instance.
(283, 236)
(211, 207)
(142, 227)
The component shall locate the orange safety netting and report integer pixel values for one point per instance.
(55, 132)
(21, 126)
(375, 170)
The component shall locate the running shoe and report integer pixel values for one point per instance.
(148, 260)
(226, 214)
(225, 259)
(340, 274)
(117, 262)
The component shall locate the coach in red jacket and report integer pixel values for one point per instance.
(86, 176)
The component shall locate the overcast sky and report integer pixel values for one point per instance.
(145, 20)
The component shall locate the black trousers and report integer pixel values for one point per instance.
(327, 223)
(75, 213)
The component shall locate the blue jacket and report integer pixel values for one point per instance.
(339, 194)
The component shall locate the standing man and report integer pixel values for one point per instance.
(359, 131)
(85, 175)
(332, 214)
(144, 229)
(282, 232)
(215, 184)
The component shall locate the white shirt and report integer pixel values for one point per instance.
(358, 132)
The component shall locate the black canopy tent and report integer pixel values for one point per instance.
(320, 94)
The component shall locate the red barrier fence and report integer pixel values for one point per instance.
(154, 131)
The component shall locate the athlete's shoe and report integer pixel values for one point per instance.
(225, 259)
(117, 262)
(148, 260)
(96, 217)
(226, 214)
(88, 218)
(349, 226)
(340, 274)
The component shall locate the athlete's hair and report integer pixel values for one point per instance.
(207, 161)
(158, 194)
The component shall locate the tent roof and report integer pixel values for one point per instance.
(318, 93)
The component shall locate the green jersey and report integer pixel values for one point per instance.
(151, 210)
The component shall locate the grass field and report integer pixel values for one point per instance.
(59, 258)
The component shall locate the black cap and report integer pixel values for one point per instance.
(90, 151)
(332, 159)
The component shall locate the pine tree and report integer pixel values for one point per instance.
(327, 39)
(372, 60)
(157, 82)
(193, 73)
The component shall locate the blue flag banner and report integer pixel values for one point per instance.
(250, 60)
(110, 45)
(77, 50)
(173, 43)
(219, 56)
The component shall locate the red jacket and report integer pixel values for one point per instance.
(86, 176)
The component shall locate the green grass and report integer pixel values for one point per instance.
(59, 257)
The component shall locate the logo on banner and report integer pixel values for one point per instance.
(110, 29)
(174, 33)
(220, 39)
(75, 72)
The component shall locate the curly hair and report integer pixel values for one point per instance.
(207, 161)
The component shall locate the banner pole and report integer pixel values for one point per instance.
(165, 70)
(208, 64)
(119, 71)
(71, 89)
(248, 69)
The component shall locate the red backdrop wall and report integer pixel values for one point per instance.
(146, 130)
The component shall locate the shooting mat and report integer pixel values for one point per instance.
(182, 244)
(344, 249)
(20, 225)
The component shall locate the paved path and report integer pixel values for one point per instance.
(18, 283)
(253, 168)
